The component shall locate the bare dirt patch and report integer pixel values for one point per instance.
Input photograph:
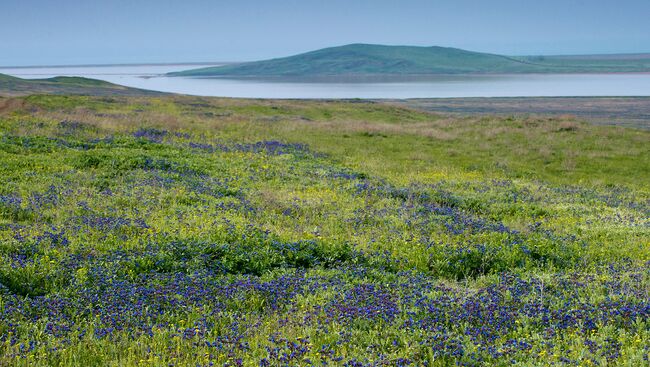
(9, 105)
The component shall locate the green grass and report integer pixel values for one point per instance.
(12, 86)
(377, 60)
(4, 77)
(199, 231)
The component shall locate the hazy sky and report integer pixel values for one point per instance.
(52, 32)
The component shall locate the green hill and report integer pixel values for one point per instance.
(12, 86)
(364, 59)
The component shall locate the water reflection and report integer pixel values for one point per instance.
(439, 86)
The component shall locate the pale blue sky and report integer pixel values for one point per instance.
(48, 32)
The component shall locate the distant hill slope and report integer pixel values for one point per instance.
(617, 63)
(12, 86)
(363, 59)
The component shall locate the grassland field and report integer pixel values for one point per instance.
(187, 231)
(617, 111)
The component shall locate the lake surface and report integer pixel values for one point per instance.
(527, 85)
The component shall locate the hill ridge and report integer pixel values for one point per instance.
(373, 59)
(14, 86)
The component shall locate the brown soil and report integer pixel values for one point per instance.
(9, 105)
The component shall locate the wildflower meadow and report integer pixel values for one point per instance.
(186, 231)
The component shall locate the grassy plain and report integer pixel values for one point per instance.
(205, 231)
(617, 111)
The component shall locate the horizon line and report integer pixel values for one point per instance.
(120, 64)
(172, 63)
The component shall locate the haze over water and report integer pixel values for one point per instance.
(444, 86)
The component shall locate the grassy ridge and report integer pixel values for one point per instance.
(198, 231)
(363, 59)
(12, 86)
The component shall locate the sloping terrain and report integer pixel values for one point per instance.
(364, 59)
(12, 86)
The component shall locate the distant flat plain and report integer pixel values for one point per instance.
(620, 111)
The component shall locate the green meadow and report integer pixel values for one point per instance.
(187, 231)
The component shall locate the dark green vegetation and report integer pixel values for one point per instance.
(619, 111)
(201, 231)
(12, 86)
(362, 59)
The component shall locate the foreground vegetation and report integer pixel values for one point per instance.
(201, 231)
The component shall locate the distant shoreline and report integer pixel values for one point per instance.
(119, 65)
(361, 86)
(399, 77)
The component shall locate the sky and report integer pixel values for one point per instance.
(74, 32)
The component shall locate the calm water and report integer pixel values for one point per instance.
(149, 77)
